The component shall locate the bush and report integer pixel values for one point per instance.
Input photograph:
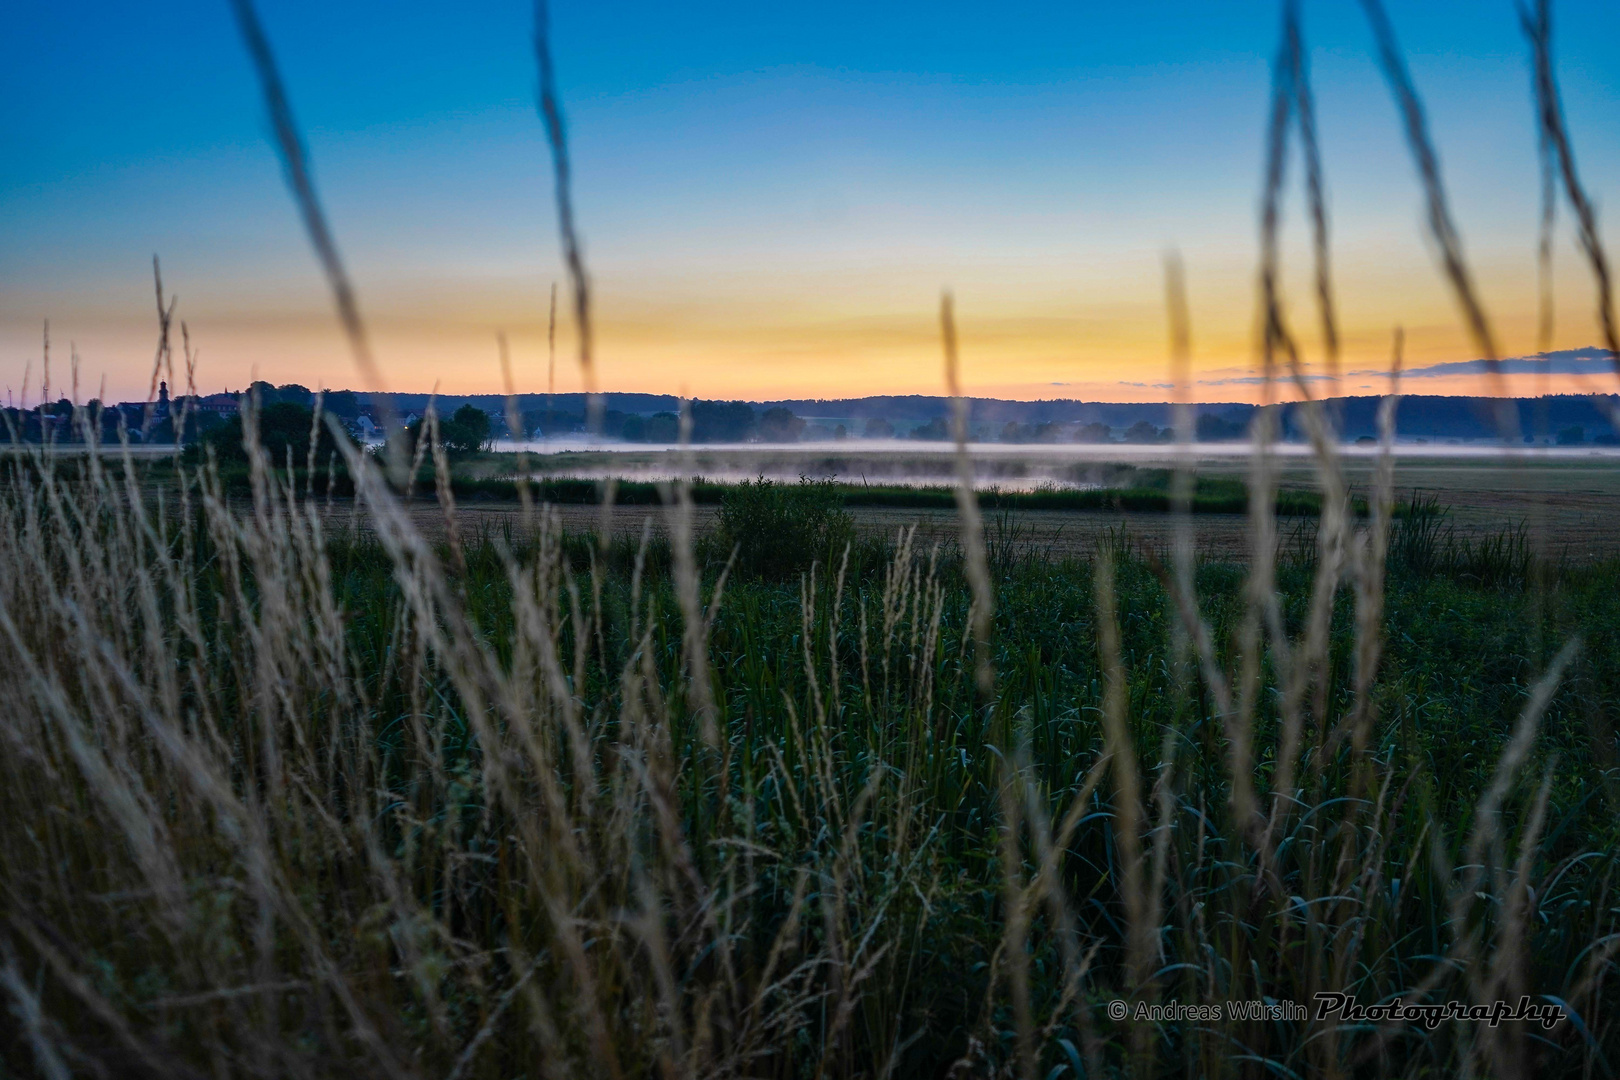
(1144, 431)
(283, 426)
(1044, 432)
(464, 432)
(344, 404)
(1212, 428)
(778, 530)
(722, 421)
(1423, 545)
(662, 427)
(778, 424)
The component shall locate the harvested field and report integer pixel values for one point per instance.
(1568, 503)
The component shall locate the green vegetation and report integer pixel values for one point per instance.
(477, 476)
(285, 799)
(779, 530)
(284, 430)
(1149, 492)
(464, 433)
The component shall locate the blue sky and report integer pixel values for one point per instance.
(772, 196)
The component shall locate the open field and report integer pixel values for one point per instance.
(1051, 533)
(1566, 499)
(1576, 495)
(1568, 502)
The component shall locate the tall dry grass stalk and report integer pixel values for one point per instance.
(551, 116)
(967, 505)
(300, 179)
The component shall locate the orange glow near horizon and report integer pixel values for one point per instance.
(753, 347)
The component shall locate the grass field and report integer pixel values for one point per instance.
(1567, 503)
(327, 795)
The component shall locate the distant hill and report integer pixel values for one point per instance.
(1436, 417)
(908, 410)
(1419, 416)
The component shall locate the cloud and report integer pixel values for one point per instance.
(1256, 380)
(1587, 361)
(1156, 385)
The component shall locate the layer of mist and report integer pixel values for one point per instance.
(1000, 466)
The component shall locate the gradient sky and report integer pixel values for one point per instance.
(771, 195)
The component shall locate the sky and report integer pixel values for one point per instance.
(772, 197)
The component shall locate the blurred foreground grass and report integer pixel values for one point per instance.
(281, 802)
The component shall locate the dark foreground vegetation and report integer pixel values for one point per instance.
(278, 802)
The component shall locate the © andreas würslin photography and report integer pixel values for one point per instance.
(785, 540)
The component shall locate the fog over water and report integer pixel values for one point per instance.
(1005, 466)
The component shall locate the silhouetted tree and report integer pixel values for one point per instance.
(780, 425)
(283, 426)
(722, 421)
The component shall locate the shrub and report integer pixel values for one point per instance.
(1212, 428)
(1144, 431)
(778, 424)
(722, 421)
(283, 426)
(663, 427)
(1423, 545)
(465, 431)
(344, 404)
(779, 529)
(1044, 432)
